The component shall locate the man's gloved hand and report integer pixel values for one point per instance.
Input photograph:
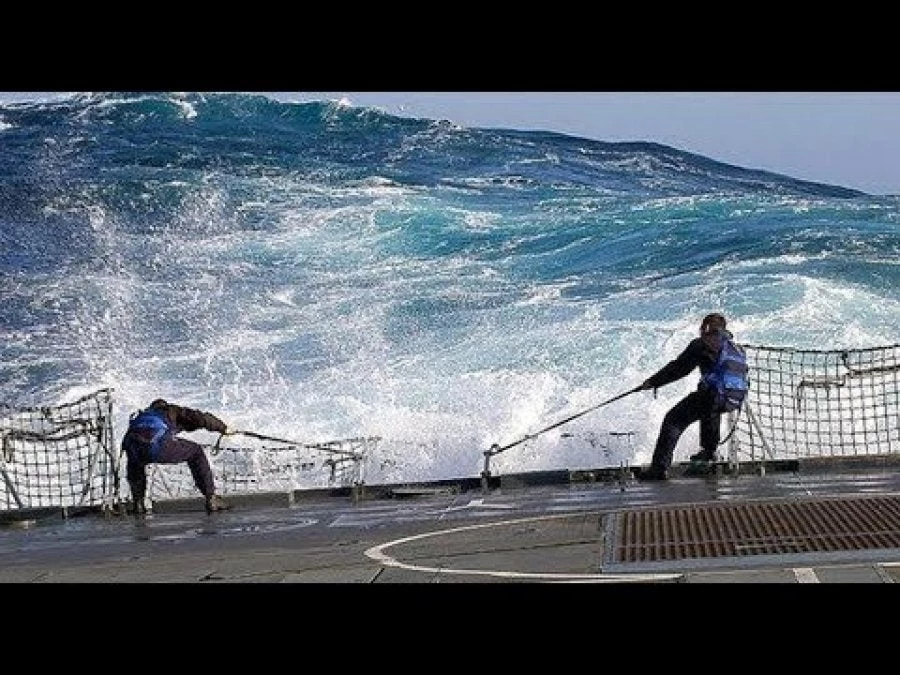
(645, 385)
(229, 431)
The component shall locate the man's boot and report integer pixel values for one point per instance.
(704, 456)
(215, 503)
(138, 492)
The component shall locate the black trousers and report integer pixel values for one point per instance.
(695, 407)
(173, 450)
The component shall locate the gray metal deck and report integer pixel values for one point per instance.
(821, 521)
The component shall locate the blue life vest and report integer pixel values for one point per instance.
(727, 379)
(154, 420)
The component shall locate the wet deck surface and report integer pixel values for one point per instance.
(821, 523)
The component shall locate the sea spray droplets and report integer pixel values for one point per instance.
(317, 272)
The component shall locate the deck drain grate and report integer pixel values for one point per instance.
(757, 528)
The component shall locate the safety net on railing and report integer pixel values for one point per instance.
(59, 456)
(802, 404)
(248, 470)
(805, 403)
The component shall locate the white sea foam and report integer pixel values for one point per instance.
(438, 305)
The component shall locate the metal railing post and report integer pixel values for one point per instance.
(486, 473)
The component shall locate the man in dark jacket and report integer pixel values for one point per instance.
(698, 406)
(152, 438)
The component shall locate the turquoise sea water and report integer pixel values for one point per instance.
(314, 271)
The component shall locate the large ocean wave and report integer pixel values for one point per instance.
(318, 271)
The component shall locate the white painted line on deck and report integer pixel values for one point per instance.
(806, 575)
(883, 574)
(377, 554)
(479, 503)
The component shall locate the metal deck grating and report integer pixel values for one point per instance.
(718, 530)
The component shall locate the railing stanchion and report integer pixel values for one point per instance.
(486, 473)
